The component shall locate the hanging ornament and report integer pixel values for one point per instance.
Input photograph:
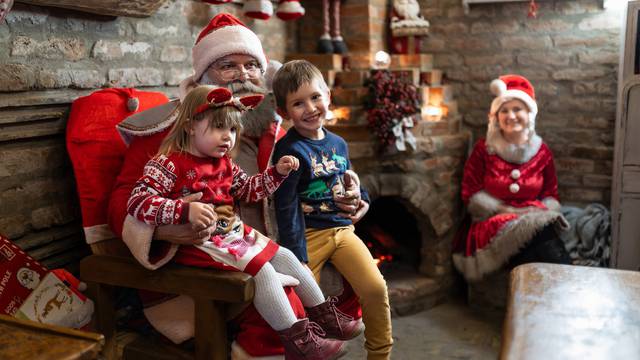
(258, 9)
(533, 9)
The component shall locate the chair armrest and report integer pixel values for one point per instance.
(218, 285)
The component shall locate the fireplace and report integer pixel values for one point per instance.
(391, 233)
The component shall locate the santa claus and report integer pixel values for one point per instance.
(229, 54)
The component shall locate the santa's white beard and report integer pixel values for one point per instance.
(256, 121)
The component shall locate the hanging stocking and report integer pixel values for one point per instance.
(325, 46)
(258, 9)
(289, 10)
(533, 9)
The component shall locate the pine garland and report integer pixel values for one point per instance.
(391, 98)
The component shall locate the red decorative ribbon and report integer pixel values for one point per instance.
(220, 97)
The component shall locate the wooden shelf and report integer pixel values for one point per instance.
(466, 3)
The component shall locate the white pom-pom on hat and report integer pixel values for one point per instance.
(498, 87)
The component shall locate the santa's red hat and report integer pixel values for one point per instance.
(225, 35)
(510, 87)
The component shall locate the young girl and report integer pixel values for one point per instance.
(194, 157)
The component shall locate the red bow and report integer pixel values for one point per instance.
(220, 97)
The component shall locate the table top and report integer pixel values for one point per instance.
(572, 312)
(23, 339)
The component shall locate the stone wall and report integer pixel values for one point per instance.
(50, 57)
(570, 53)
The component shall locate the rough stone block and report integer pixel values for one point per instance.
(422, 61)
(551, 25)
(175, 75)
(591, 152)
(566, 164)
(502, 59)
(16, 77)
(582, 195)
(578, 40)
(599, 57)
(600, 23)
(106, 50)
(483, 27)
(132, 77)
(321, 61)
(144, 27)
(349, 96)
(173, 53)
(597, 180)
(72, 49)
(350, 79)
(544, 58)
(526, 42)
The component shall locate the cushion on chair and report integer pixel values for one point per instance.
(97, 150)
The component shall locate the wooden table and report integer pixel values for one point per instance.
(572, 312)
(22, 339)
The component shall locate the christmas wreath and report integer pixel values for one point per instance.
(392, 105)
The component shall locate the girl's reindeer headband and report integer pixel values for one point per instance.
(220, 97)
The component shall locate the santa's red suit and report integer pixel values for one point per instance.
(500, 174)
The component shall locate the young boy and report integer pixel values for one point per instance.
(309, 223)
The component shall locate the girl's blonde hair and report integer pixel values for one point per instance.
(178, 139)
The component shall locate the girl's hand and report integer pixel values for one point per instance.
(286, 164)
(202, 215)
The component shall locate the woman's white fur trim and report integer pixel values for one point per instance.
(482, 205)
(505, 244)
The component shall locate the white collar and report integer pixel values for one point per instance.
(517, 154)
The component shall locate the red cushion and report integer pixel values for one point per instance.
(95, 147)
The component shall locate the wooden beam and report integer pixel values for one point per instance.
(134, 8)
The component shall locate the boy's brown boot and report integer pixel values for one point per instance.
(335, 323)
(305, 341)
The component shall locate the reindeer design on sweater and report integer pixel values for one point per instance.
(340, 160)
(316, 167)
(329, 165)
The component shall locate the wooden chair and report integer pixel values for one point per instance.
(211, 290)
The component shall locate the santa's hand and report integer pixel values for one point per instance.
(286, 164)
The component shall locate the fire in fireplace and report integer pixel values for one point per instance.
(391, 233)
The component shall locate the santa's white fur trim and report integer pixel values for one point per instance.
(551, 203)
(97, 233)
(174, 318)
(238, 353)
(138, 237)
(482, 205)
(227, 40)
(505, 244)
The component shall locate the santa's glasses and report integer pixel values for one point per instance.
(229, 70)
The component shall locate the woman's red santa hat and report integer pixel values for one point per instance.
(510, 87)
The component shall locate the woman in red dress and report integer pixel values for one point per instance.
(510, 189)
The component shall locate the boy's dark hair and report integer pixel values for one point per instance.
(291, 76)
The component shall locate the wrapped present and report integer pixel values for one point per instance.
(20, 274)
(58, 301)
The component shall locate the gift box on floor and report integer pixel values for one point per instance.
(20, 274)
(58, 301)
